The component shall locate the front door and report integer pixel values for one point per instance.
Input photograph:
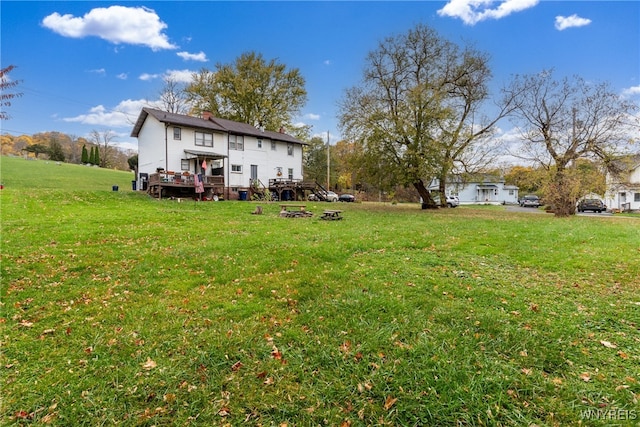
(254, 173)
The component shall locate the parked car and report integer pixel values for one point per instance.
(453, 201)
(595, 205)
(347, 198)
(530, 201)
(329, 196)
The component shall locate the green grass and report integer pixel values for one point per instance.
(118, 309)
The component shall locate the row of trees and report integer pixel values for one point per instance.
(93, 157)
(61, 147)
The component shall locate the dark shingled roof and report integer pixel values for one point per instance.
(213, 124)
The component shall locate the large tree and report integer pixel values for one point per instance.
(417, 113)
(250, 90)
(562, 121)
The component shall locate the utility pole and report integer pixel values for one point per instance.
(328, 165)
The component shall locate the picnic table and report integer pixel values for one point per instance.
(285, 207)
(331, 215)
(294, 211)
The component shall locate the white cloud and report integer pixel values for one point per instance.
(311, 116)
(99, 71)
(122, 115)
(327, 62)
(122, 76)
(564, 22)
(631, 92)
(116, 24)
(147, 77)
(473, 11)
(200, 56)
(178, 76)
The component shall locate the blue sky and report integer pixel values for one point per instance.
(88, 65)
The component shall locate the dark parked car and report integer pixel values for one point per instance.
(530, 201)
(347, 198)
(595, 205)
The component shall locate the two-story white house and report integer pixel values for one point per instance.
(212, 157)
(623, 184)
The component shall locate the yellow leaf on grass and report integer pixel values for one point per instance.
(149, 364)
(608, 344)
(389, 402)
(585, 376)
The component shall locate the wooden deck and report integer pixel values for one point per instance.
(291, 189)
(168, 184)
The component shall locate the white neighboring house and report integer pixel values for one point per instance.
(623, 185)
(240, 159)
(481, 189)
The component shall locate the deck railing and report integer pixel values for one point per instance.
(182, 179)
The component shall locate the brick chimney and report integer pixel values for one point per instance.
(206, 115)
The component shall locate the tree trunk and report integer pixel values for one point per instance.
(443, 192)
(561, 194)
(427, 200)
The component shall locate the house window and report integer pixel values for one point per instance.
(511, 192)
(636, 197)
(204, 139)
(236, 142)
(259, 143)
(290, 149)
(184, 164)
(236, 168)
(290, 173)
(273, 146)
(177, 133)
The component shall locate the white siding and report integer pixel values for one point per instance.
(157, 148)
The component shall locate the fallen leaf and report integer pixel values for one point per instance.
(389, 402)
(623, 355)
(275, 353)
(585, 376)
(526, 371)
(236, 366)
(149, 364)
(608, 344)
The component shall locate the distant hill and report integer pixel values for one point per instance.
(21, 174)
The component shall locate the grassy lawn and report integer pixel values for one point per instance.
(118, 309)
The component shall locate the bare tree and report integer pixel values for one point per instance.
(173, 97)
(7, 84)
(103, 140)
(562, 121)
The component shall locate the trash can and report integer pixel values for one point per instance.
(242, 195)
(134, 185)
(114, 188)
